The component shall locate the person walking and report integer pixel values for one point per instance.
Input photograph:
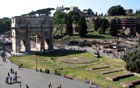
(50, 85)
(8, 74)
(13, 78)
(10, 79)
(20, 85)
(60, 86)
(6, 80)
(16, 78)
(15, 73)
(27, 86)
(90, 84)
(19, 67)
(11, 70)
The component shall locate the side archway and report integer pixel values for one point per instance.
(22, 46)
(46, 42)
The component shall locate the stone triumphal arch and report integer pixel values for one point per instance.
(25, 28)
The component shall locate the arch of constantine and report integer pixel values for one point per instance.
(24, 29)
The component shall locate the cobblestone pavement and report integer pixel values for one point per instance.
(36, 79)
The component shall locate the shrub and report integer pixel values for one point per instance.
(100, 30)
(132, 60)
(74, 43)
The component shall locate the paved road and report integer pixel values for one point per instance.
(36, 79)
(89, 50)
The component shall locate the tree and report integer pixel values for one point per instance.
(137, 13)
(5, 24)
(90, 12)
(104, 25)
(100, 30)
(40, 12)
(97, 23)
(85, 10)
(101, 14)
(82, 27)
(105, 15)
(132, 60)
(74, 16)
(61, 15)
(96, 14)
(60, 23)
(67, 8)
(69, 28)
(32, 13)
(75, 19)
(71, 13)
(48, 11)
(116, 10)
(113, 28)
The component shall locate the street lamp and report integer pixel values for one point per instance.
(36, 61)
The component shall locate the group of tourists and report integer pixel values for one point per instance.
(10, 79)
(26, 85)
(57, 72)
(115, 54)
(13, 79)
(68, 77)
(88, 81)
(50, 85)
(3, 57)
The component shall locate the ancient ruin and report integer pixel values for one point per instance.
(23, 29)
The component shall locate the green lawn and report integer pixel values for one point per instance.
(52, 61)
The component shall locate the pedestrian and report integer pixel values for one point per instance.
(6, 79)
(59, 72)
(55, 72)
(50, 85)
(13, 78)
(12, 70)
(4, 59)
(60, 86)
(90, 84)
(27, 86)
(8, 74)
(20, 85)
(11, 61)
(16, 78)
(85, 80)
(10, 79)
(15, 73)
(19, 66)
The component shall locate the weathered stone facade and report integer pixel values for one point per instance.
(75, 8)
(23, 27)
(122, 22)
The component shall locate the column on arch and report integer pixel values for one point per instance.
(51, 39)
(42, 48)
(18, 46)
(28, 47)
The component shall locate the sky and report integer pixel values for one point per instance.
(11, 8)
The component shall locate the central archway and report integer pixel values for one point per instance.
(35, 41)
